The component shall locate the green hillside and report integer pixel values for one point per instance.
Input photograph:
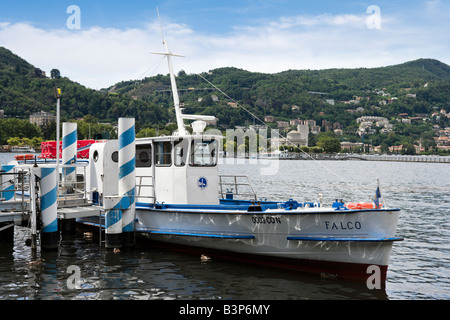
(416, 88)
(25, 90)
(274, 94)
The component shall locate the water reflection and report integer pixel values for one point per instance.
(418, 269)
(149, 273)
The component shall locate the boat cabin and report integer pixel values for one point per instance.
(169, 169)
(179, 169)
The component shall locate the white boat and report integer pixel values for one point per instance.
(180, 203)
(22, 149)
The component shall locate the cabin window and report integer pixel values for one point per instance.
(180, 148)
(163, 154)
(204, 153)
(95, 156)
(115, 156)
(143, 156)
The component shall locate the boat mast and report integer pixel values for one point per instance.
(199, 120)
(176, 99)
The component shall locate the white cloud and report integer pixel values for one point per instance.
(100, 57)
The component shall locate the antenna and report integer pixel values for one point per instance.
(178, 112)
(160, 25)
(176, 99)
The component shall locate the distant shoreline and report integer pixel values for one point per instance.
(341, 157)
(362, 157)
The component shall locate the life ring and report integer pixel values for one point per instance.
(24, 157)
(360, 205)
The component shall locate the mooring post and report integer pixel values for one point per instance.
(69, 154)
(7, 182)
(113, 223)
(58, 107)
(127, 178)
(49, 209)
(69, 174)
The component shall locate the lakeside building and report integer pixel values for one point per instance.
(298, 138)
(42, 118)
(351, 146)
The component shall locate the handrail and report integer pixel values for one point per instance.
(73, 189)
(18, 183)
(236, 185)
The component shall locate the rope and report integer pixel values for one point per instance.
(154, 66)
(264, 123)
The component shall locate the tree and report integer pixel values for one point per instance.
(305, 149)
(329, 144)
(408, 149)
(147, 132)
(55, 74)
(14, 141)
(36, 141)
(38, 73)
(315, 150)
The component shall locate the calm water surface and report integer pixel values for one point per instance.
(419, 268)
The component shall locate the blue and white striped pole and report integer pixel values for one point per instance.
(113, 224)
(69, 154)
(49, 209)
(127, 178)
(7, 183)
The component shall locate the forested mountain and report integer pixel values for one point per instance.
(418, 87)
(275, 94)
(25, 89)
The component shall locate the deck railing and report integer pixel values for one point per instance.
(236, 185)
(20, 183)
(73, 192)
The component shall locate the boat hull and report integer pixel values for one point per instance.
(322, 268)
(343, 244)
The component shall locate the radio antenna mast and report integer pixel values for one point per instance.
(176, 98)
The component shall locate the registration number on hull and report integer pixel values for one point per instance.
(266, 220)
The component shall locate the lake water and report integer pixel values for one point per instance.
(419, 268)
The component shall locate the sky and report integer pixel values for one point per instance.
(98, 43)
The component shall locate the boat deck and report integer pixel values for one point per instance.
(230, 206)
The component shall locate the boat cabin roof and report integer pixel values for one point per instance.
(177, 138)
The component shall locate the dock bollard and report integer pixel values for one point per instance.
(127, 178)
(69, 175)
(113, 226)
(49, 209)
(69, 154)
(7, 183)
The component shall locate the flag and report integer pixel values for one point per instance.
(377, 197)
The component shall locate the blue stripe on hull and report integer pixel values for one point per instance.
(343, 239)
(195, 234)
